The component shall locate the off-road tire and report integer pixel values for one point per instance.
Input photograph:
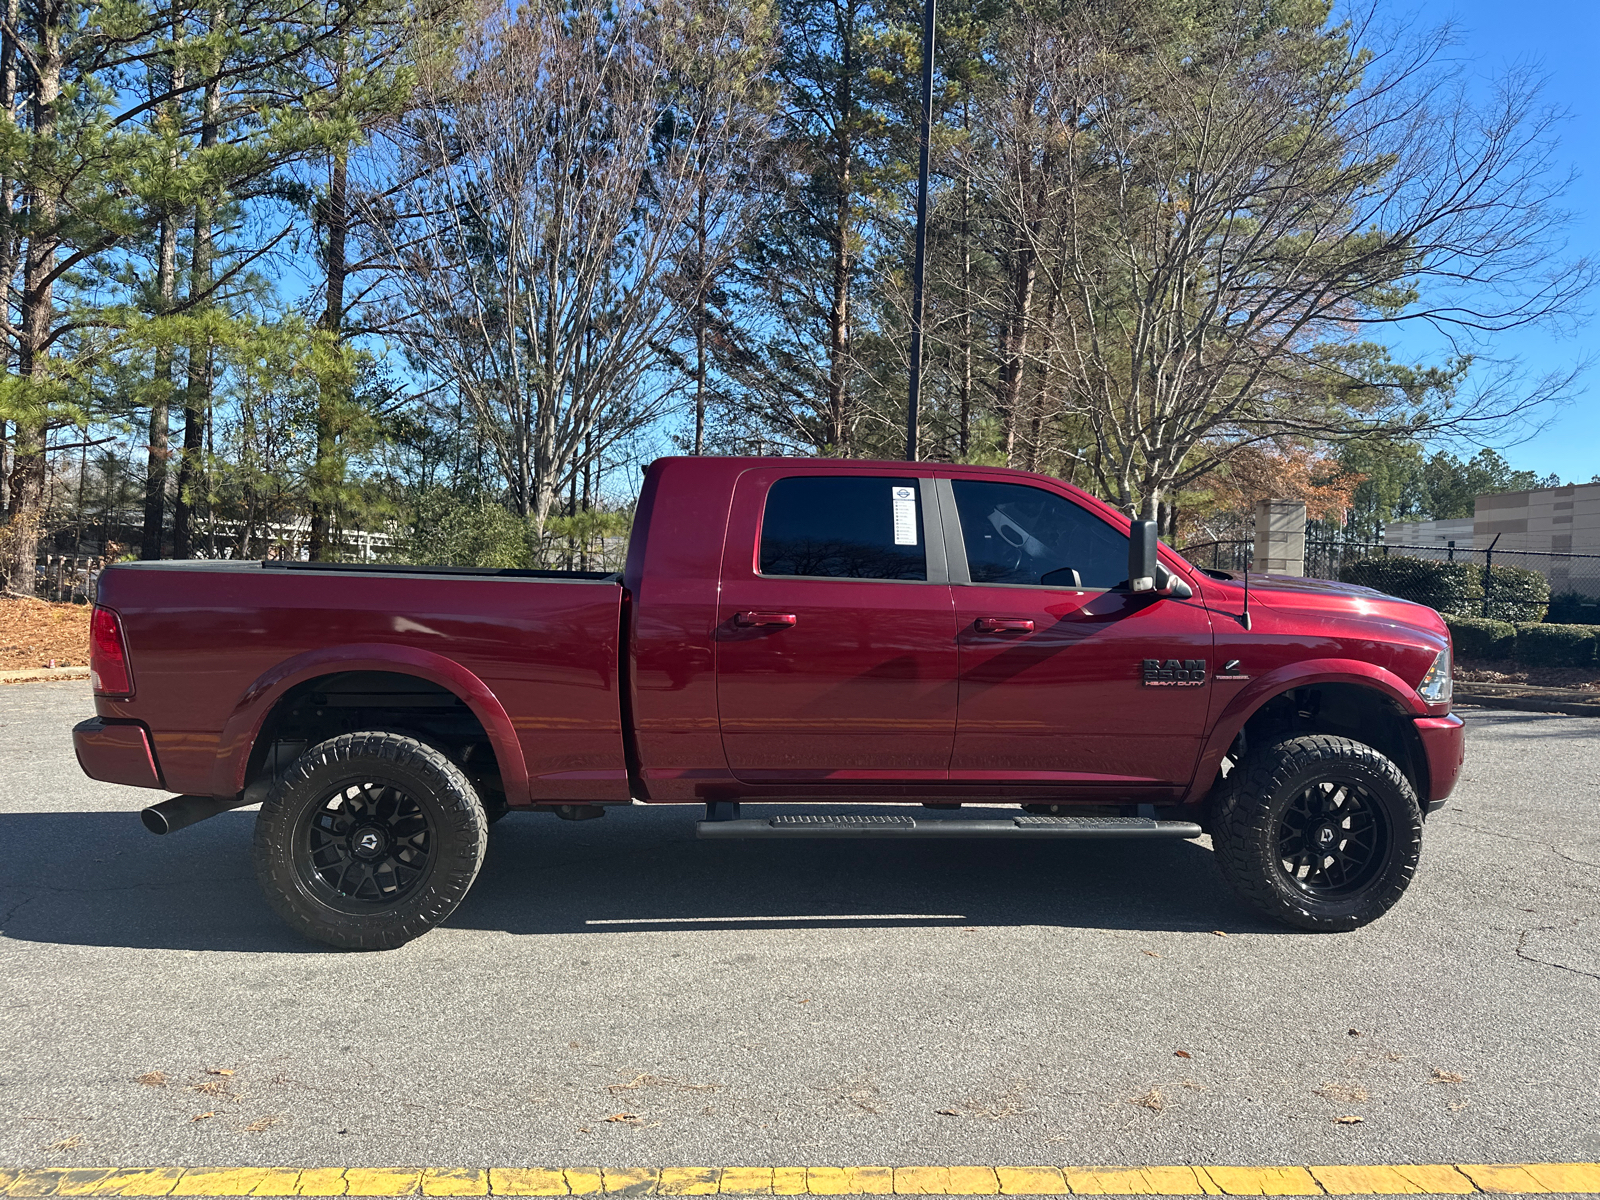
(1250, 819)
(456, 838)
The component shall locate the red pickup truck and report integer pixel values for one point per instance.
(785, 631)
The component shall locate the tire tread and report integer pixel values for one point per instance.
(446, 887)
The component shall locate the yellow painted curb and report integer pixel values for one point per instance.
(1436, 1179)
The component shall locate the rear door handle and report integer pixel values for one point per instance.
(1004, 624)
(764, 618)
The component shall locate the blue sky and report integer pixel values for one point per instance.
(1561, 38)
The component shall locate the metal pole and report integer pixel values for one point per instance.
(914, 391)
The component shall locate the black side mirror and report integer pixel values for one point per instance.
(1142, 562)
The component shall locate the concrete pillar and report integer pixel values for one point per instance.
(1280, 537)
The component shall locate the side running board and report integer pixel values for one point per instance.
(1022, 826)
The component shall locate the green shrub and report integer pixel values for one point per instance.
(1541, 645)
(1446, 586)
(454, 532)
(1515, 594)
(1573, 608)
(1477, 638)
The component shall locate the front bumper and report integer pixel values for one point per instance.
(1444, 745)
(116, 752)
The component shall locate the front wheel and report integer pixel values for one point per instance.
(369, 840)
(1317, 831)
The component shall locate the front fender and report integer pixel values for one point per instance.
(1226, 726)
(250, 714)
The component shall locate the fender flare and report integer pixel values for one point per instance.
(1263, 688)
(245, 723)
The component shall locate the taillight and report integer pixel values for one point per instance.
(108, 655)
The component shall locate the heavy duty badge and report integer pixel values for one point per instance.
(1175, 672)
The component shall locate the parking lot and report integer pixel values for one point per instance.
(614, 992)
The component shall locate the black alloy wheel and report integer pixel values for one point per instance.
(366, 843)
(369, 840)
(1317, 831)
(1332, 838)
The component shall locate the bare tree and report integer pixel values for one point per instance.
(551, 214)
(1225, 214)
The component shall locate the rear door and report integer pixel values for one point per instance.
(836, 640)
(1065, 679)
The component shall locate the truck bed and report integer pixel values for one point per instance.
(533, 654)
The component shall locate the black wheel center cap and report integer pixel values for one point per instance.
(368, 842)
(1324, 836)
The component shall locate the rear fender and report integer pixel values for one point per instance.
(250, 714)
(1287, 678)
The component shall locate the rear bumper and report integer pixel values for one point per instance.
(1444, 743)
(116, 753)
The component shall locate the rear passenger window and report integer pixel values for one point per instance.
(844, 526)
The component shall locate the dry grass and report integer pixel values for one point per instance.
(1584, 678)
(35, 632)
(1153, 1100)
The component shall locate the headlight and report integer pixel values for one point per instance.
(1435, 685)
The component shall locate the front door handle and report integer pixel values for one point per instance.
(764, 618)
(1004, 624)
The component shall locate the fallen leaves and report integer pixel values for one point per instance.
(948, 1112)
(259, 1125)
(634, 1120)
(66, 1143)
(34, 632)
(1218, 933)
(212, 1087)
(1349, 1120)
(152, 1079)
(205, 1116)
(219, 1071)
(1181, 1054)
(1439, 1076)
(1153, 1100)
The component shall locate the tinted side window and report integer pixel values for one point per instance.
(853, 526)
(1018, 534)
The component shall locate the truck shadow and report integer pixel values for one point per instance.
(98, 879)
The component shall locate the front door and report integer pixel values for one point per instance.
(1066, 680)
(835, 644)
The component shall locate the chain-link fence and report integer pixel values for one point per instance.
(1467, 581)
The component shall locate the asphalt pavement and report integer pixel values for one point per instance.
(615, 992)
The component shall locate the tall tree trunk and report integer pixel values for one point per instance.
(327, 472)
(839, 312)
(197, 393)
(964, 428)
(29, 467)
(1041, 388)
(9, 240)
(155, 476)
(701, 287)
(1014, 365)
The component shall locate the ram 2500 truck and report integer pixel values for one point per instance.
(785, 631)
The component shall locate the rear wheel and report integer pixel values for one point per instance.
(1316, 831)
(369, 840)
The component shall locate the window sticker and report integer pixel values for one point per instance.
(905, 516)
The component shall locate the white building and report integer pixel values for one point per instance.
(1539, 523)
